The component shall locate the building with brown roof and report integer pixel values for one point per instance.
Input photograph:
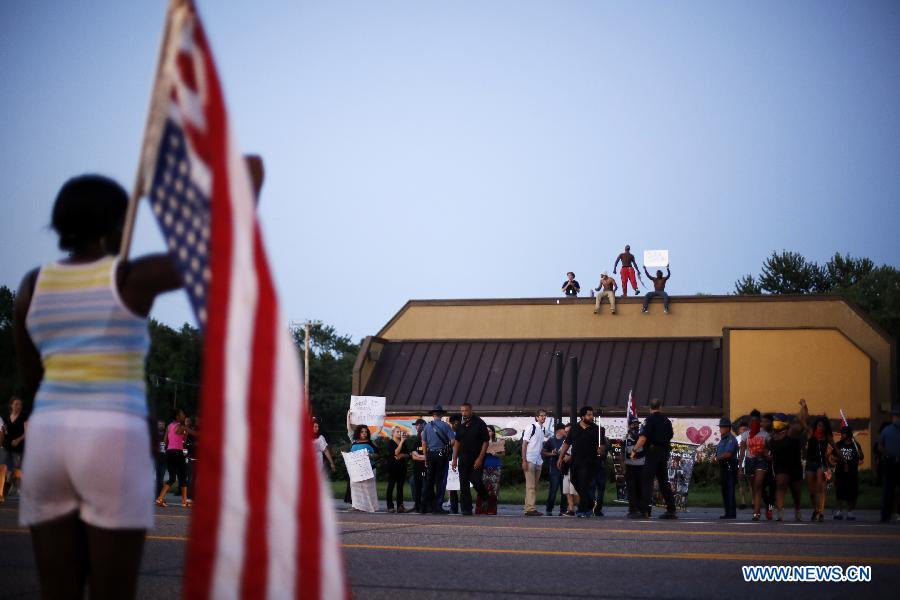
(711, 356)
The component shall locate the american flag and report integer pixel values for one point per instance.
(277, 537)
(632, 409)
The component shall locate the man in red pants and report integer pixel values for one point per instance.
(628, 264)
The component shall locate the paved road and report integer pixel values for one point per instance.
(507, 556)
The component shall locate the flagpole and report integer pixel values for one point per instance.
(152, 111)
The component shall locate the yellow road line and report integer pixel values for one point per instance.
(729, 533)
(168, 538)
(745, 558)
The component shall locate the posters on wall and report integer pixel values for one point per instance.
(698, 431)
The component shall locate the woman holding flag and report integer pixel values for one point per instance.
(81, 339)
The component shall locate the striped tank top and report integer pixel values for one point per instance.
(92, 346)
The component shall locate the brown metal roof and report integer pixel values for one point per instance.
(518, 375)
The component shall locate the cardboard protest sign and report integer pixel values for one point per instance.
(680, 469)
(367, 410)
(617, 451)
(358, 466)
(495, 447)
(656, 258)
(452, 480)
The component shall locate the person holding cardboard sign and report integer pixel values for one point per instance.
(659, 284)
(363, 494)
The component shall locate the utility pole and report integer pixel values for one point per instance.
(306, 327)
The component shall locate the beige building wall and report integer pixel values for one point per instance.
(770, 370)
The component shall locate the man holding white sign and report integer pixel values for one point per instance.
(659, 284)
(656, 258)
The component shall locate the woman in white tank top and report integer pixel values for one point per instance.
(81, 337)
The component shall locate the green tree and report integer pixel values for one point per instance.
(747, 286)
(790, 273)
(876, 290)
(844, 272)
(8, 372)
(173, 368)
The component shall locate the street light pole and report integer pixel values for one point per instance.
(306, 326)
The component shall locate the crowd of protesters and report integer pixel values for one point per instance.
(766, 458)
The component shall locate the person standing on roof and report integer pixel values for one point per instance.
(628, 272)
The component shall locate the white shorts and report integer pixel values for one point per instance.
(567, 487)
(95, 463)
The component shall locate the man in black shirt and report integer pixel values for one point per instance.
(656, 438)
(469, 449)
(417, 481)
(570, 287)
(584, 439)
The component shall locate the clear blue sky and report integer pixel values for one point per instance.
(482, 149)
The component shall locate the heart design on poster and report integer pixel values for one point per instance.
(698, 436)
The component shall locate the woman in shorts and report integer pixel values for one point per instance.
(81, 341)
(175, 463)
(819, 448)
(756, 465)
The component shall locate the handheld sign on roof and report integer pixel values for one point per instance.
(656, 258)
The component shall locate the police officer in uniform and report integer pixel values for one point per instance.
(656, 439)
(726, 456)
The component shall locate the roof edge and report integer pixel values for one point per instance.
(693, 299)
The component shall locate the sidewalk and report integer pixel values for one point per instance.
(618, 511)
